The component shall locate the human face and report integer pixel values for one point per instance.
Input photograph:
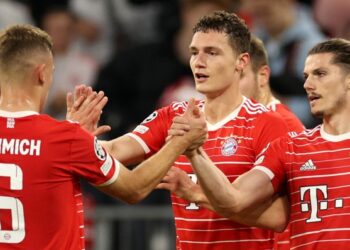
(213, 63)
(325, 85)
(248, 83)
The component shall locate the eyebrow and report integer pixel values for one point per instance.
(208, 48)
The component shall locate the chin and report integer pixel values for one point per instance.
(317, 113)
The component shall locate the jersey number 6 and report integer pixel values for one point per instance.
(17, 233)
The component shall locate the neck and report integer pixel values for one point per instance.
(338, 123)
(16, 98)
(265, 98)
(219, 107)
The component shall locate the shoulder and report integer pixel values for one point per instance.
(261, 113)
(253, 108)
(307, 134)
(178, 108)
(59, 127)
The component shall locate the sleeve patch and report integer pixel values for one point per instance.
(151, 117)
(99, 151)
(141, 129)
(107, 165)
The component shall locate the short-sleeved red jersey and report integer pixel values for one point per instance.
(232, 145)
(292, 121)
(294, 126)
(41, 161)
(315, 167)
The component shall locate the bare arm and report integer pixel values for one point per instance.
(132, 186)
(250, 190)
(272, 214)
(125, 149)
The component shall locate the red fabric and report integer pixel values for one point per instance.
(50, 192)
(232, 145)
(316, 170)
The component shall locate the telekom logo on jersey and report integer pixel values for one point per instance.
(315, 204)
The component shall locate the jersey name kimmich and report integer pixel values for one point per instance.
(20, 146)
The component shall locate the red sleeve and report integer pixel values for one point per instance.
(292, 121)
(268, 127)
(272, 161)
(90, 160)
(152, 132)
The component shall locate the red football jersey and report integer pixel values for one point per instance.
(294, 125)
(292, 121)
(232, 145)
(41, 161)
(315, 167)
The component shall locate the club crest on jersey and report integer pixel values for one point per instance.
(229, 147)
(99, 151)
(151, 117)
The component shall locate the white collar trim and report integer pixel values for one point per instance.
(18, 114)
(333, 138)
(232, 115)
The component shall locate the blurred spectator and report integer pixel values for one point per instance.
(12, 12)
(334, 17)
(39, 7)
(137, 23)
(95, 28)
(72, 67)
(135, 79)
(288, 31)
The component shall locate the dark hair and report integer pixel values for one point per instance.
(19, 42)
(228, 23)
(258, 54)
(339, 47)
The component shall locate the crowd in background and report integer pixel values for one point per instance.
(137, 50)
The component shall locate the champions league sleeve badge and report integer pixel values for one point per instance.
(151, 117)
(99, 151)
(229, 147)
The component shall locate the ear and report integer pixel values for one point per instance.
(40, 73)
(264, 75)
(347, 81)
(242, 61)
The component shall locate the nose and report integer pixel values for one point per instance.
(308, 85)
(199, 60)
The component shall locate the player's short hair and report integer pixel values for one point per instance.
(19, 43)
(258, 54)
(223, 4)
(228, 23)
(339, 47)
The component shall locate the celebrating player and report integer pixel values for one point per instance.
(41, 159)
(313, 166)
(239, 129)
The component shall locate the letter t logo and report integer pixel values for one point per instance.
(314, 201)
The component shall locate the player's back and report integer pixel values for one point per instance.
(40, 201)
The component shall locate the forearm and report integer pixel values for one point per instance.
(250, 189)
(272, 215)
(217, 188)
(125, 149)
(143, 179)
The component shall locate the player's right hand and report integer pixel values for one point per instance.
(86, 107)
(198, 130)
